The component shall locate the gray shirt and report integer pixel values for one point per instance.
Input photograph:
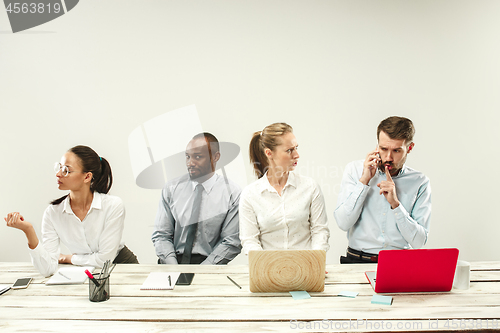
(217, 235)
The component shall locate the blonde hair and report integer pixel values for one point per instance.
(267, 138)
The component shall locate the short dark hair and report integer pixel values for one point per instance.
(397, 128)
(212, 142)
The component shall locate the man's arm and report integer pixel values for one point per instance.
(351, 198)
(414, 226)
(163, 236)
(229, 245)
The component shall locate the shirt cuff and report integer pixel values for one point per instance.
(79, 259)
(400, 214)
(252, 248)
(36, 251)
(170, 260)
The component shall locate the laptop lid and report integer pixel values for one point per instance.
(416, 270)
(287, 270)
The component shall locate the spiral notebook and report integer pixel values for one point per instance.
(160, 281)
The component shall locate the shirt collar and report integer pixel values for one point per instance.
(96, 203)
(265, 185)
(207, 184)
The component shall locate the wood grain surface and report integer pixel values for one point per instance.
(214, 304)
(287, 270)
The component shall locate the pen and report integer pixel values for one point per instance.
(99, 286)
(64, 275)
(4, 291)
(92, 278)
(237, 285)
(111, 269)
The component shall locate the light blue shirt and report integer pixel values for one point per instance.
(367, 216)
(218, 228)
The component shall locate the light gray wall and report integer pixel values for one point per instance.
(331, 69)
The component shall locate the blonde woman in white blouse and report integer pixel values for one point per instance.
(282, 209)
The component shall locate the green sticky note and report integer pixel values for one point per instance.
(384, 300)
(300, 295)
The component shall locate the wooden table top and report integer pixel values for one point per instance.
(213, 304)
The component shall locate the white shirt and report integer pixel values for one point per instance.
(294, 220)
(92, 241)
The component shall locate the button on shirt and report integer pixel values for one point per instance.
(294, 220)
(217, 232)
(367, 216)
(92, 241)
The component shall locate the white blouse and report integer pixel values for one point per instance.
(294, 220)
(92, 241)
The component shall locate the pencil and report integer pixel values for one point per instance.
(237, 285)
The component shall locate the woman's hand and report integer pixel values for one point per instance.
(16, 220)
(65, 258)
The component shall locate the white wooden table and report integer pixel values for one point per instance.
(214, 304)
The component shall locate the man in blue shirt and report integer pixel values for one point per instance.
(383, 203)
(197, 220)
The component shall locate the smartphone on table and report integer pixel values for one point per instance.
(22, 283)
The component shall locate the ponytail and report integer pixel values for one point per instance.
(58, 201)
(102, 177)
(102, 181)
(257, 156)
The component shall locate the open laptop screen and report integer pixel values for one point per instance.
(416, 270)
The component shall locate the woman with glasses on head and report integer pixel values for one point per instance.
(88, 221)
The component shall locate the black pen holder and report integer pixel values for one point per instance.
(99, 292)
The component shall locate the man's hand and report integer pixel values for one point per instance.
(370, 166)
(65, 258)
(388, 189)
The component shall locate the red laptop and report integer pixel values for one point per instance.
(422, 270)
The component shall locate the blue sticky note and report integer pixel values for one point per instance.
(351, 294)
(300, 295)
(384, 300)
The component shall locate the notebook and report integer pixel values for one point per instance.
(70, 275)
(287, 270)
(419, 270)
(160, 281)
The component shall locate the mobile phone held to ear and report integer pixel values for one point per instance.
(22, 283)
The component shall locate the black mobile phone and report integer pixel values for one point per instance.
(185, 279)
(22, 283)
